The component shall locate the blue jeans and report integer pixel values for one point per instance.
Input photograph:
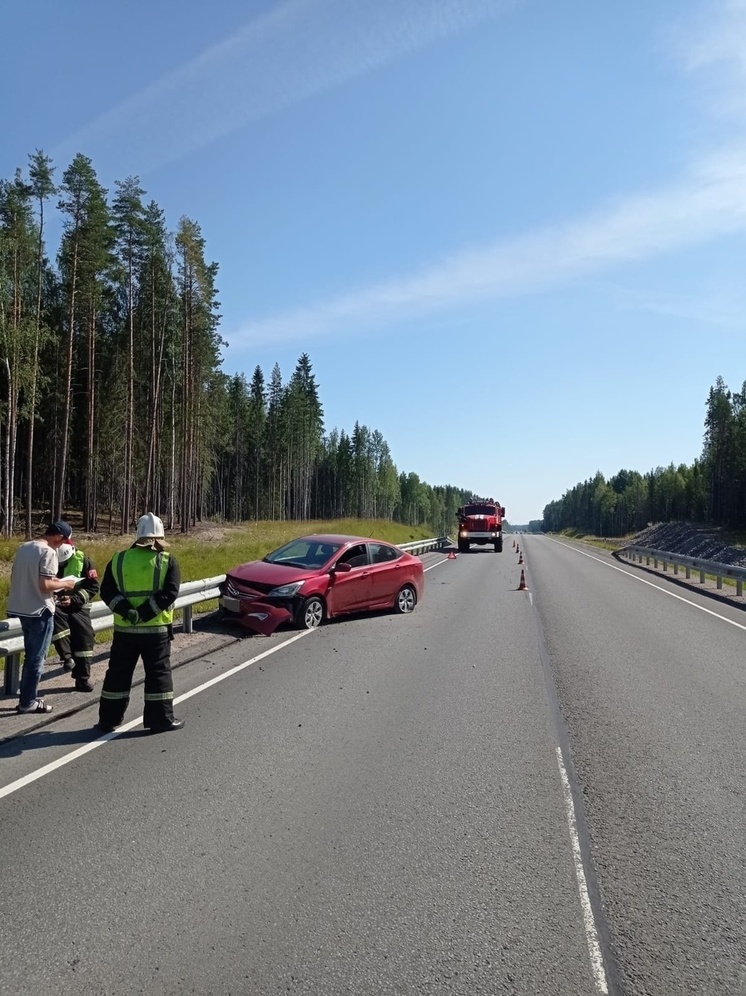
(37, 637)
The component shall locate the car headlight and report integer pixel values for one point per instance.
(286, 590)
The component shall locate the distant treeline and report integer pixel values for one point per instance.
(712, 490)
(112, 397)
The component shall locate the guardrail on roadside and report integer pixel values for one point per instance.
(425, 546)
(11, 635)
(190, 593)
(719, 571)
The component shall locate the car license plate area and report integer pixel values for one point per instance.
(230, 604)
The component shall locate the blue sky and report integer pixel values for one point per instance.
(510, 235)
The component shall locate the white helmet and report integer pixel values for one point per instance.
(149, 527)
(64, 552)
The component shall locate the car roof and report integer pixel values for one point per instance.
(341, 539)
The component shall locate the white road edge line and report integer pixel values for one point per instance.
(443, 561)
(47, 769)
(589, 923)
(657, 587)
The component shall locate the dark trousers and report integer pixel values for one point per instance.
(73, 638)
(126, 650)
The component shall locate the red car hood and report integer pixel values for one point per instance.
(260, 572)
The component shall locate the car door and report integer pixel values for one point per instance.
(386, 575)
(350, 590)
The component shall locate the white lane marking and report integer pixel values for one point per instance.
(47, 769)
(589, 922)
(443, 561)
(86, 748)
(657, 587)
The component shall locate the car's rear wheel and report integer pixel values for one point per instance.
(499, 546)
(311, 613)
(406, 599)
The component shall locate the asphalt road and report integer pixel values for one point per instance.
(519, 792)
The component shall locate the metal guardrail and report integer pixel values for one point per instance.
(425, 546)
(705, 567)
(190, 593)
(11, 635)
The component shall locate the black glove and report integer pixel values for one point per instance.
(133, 617)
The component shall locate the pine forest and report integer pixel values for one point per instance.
(113, 401)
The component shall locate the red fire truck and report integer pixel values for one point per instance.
(481, 521)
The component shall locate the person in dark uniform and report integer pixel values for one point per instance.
(73, 635)
(140, 586)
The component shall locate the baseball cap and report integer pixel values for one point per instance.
(59, 527)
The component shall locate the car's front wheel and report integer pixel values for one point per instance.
(406, 599)
(311, 613)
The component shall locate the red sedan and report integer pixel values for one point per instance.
(318, 577)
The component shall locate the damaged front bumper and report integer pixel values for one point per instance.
(256, 615)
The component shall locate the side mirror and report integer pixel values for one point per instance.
(342, 568)
(502, 512)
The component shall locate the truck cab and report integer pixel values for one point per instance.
(480, 522)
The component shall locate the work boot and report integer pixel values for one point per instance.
(166, 726)
(83, 685)
(68, 664)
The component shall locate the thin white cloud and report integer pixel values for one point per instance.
(714, 47)
(299, 49)
(724, 307)
(708, 203)
(705, 203)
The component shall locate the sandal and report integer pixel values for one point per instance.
(39, 705)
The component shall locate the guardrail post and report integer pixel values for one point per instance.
(647, 561)
(655, 563)
(187, 617)
(665, 565)
(688, 572)
(739, 586)
(676, 568)
(701, 577)
(720, 580)
(12, 674)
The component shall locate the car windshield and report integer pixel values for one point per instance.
(479, 510)
(303, 553)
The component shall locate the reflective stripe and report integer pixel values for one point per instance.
(123, 628)
(158, 696)
(114, 695)
(61, 634)
(82, 653)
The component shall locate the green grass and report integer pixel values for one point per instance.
(599, 541)
(214, 548)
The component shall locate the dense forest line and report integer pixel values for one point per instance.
(112, 396)
(711, 491)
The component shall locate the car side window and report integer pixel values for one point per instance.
(356, 556)
(382, 554)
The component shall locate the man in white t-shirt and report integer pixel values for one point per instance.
(33, 582)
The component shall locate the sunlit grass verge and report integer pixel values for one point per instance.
(603, 543)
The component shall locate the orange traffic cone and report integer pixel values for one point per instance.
(520, 559)
(451, 555)
(522, 585)
(514, 544)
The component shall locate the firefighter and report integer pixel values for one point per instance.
(140, 586)
(73, 632)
